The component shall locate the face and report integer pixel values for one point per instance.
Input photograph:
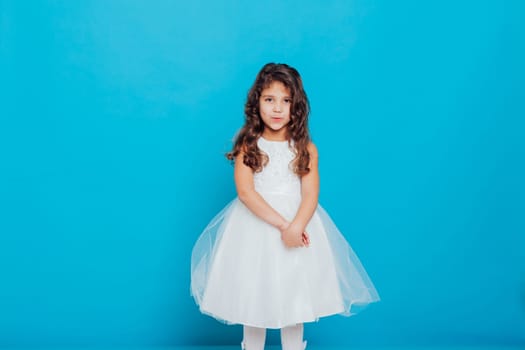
(274, 107)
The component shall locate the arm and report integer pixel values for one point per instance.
(243, 175)
(309, 195)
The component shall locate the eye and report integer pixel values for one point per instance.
(288, 100)
(268, 99)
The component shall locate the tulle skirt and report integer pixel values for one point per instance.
(241, 272)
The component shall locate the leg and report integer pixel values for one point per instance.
(254, 338)
(292, 337)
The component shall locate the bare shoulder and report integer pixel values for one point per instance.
(312, 150)
(239, 166)
(239, 158)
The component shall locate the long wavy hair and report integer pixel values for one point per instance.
(297, 131)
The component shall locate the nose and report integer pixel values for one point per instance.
(277, 107)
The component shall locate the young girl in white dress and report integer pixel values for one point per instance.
(272, 258)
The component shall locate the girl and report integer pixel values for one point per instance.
(273, 258)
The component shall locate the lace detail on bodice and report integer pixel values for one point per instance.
(277, 176)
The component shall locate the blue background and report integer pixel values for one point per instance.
(115, 116)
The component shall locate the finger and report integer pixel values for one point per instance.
(306, 238)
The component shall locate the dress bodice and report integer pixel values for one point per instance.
(277, 176)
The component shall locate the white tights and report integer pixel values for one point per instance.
(291, 338)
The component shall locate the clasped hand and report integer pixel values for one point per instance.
(294, 236)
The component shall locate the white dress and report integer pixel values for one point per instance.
(241, 272)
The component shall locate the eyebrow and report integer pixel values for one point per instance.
(274, 96)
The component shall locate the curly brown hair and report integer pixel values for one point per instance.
(297, 131)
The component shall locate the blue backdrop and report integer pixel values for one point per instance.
(115, 116)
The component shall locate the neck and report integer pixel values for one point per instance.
(272, 135)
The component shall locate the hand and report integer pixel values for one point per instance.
(293, 236)
(306, 239)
